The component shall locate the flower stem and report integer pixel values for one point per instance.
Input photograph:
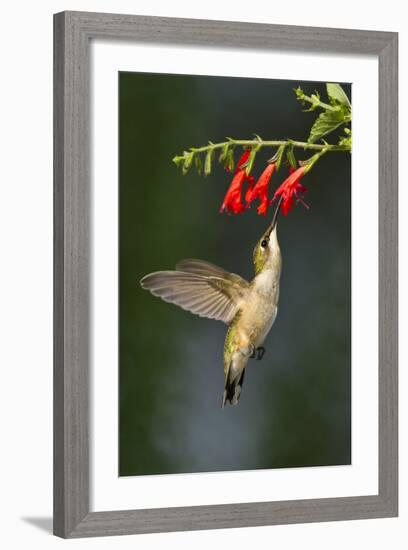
(314, 100)
(270, 143)
(317, 103)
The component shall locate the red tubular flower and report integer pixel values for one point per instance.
(289, 189)
(260, 190)
(243, 159)
(233, 200)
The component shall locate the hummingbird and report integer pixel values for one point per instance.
(249, 309)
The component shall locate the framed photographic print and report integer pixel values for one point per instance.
(225, 274)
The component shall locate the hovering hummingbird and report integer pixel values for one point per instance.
(248, 308)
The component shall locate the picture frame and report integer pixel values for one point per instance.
(73, 32)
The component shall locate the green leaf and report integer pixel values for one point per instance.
(198, 163)
(251, 159)
(310, 162)
(290, 155)
(207, 162)
(188, 159)
(337, 95)
(299, 93)
(325, 123)
(229, 161)
(279, 156)
(178, 160)
(223, 154)
(345, 141)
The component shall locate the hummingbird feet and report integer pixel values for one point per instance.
(257, 353)
(260, 352)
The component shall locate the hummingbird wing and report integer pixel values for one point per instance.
(201, 267)
(216, 296)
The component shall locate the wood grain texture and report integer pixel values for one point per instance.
(388, 273)
(71, 285)
(72, 32)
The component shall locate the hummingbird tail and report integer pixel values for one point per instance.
(232, 389)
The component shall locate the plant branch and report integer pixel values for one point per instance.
(315, 101)
(269, 143)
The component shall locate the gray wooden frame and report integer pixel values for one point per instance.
(72, 34)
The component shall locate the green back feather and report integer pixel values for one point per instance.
(259, 258)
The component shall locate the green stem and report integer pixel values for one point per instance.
(315, 101)
(270, 143)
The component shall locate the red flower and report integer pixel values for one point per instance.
(260, 190)
(233, 200)
(244, 158)
(289, 189)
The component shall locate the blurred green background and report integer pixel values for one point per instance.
(295, 405)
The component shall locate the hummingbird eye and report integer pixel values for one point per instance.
(264, 243)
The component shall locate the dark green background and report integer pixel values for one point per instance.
(295, 405)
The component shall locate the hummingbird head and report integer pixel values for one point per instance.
(267, 252)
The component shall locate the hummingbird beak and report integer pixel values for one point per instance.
(275, 217)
